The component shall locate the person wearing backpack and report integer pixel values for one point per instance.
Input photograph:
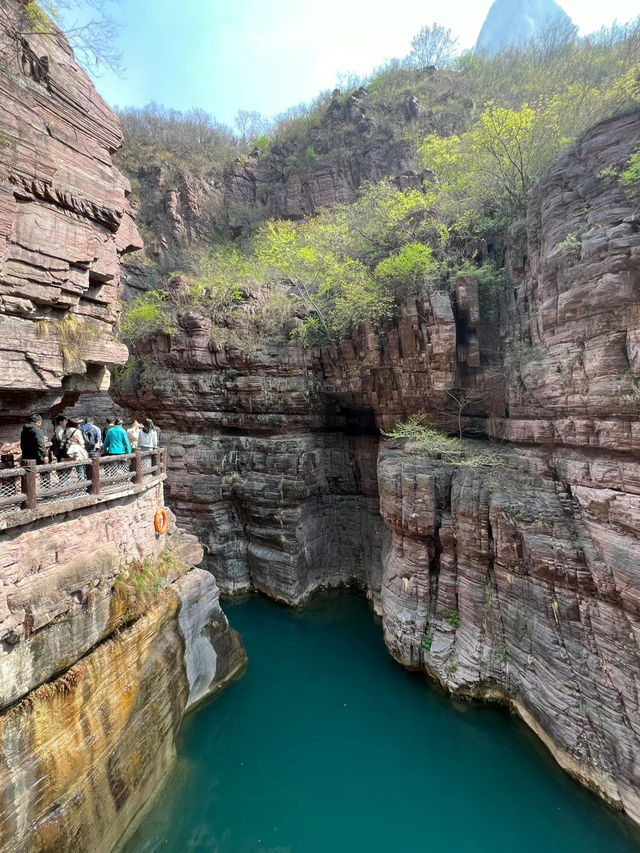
(72, 448)
(72, 445)
(57, 439)
(91, 435)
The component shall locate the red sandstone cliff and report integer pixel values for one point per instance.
(93, 682)
(65, 223)
(520, 583)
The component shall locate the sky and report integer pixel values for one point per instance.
(268, 55)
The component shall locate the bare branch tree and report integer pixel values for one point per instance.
(86, 24)
(434, 45)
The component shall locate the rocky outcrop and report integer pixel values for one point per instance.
(516, 580)
(183, 211)
(108, 631)
(521, 584)
(65, 223)
(96, 672)
(516, 23)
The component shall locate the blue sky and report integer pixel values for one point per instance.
(268, 55)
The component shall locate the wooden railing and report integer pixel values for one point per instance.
(32, 486)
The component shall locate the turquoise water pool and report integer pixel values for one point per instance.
(327, 745)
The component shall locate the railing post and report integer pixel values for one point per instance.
(95, 475)
(31, 482)
(162, 460)
(138, 467)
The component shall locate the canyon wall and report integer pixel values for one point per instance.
(516, 580)
(108, 632)
(354, 137)
(65, 223)
(96, 671)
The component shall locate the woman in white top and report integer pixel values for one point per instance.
(74, 442)
(148, 437)
(133, 434)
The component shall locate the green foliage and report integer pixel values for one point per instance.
(39, 19)
(130, 369)
(138, 585)
(408, 269)
(334, 290)
(453, 618)
(144, 317)
(455, 451)
(302, 162)
(263, 144)
(427, 642)
(536, 102)
(221, 274)
(488, 171)
(630, 176)
(570, 243)
(452, 667)
(515, 512)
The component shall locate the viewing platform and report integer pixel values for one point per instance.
(32, 491)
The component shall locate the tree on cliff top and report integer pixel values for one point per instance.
(433, 46)
(86, 24)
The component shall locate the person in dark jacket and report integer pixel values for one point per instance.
(116, 441)
(32, 440)
(58, 437)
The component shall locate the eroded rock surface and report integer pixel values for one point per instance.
(96, 672)
(519, 581)
(65, 223)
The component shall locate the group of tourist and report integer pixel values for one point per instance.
(78, 440)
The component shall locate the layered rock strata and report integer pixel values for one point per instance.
(65, 223)
(516, 581)
(95, 674)
(108, 632)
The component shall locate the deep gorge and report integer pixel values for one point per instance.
(516, 582)
(321, 692)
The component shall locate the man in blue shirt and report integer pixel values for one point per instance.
(116, 441)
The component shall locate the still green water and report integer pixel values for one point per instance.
(327, 745)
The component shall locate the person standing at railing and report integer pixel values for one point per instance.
(148, 437)
(92, 437)
(32, 443)
(57, 438)
(73, 446)
(133, 434)
(115, 441)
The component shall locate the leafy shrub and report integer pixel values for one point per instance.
(630, 176)
(570, 243)
(145, 317)
(455, 451)
(453, 618)
(407, 270)
(427, 642)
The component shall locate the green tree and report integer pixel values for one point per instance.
(334, 290)
(407, 270)
(489, 170)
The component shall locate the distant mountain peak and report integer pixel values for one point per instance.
(515, 22)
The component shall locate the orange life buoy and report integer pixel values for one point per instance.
(161, 521)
